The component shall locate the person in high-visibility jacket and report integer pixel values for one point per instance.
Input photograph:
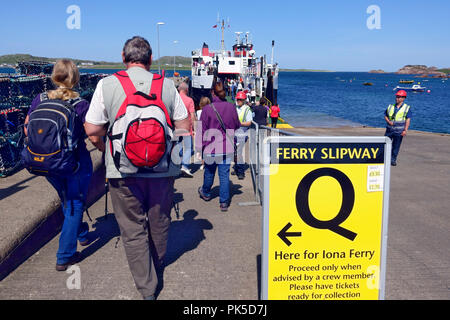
(398, 120)
(245, 117)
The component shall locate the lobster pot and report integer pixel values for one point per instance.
(10, 160)
(48, 84)
(35, 67)
(84, 82)
(6, 157)
(4, 89)
(87, 85)
(11, 120)
(29, 88)
(3, 124)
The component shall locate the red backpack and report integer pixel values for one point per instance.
(142, 133)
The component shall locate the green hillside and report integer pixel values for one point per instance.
(185, 61)
(12, 59)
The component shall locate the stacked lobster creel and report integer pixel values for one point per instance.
(17, 91)
(11, 139)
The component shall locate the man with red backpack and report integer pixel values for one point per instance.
(141, 114)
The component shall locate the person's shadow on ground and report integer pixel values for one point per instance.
(235, 189)
(105, 229)
(185, 235)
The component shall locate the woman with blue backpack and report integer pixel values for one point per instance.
(55, 148)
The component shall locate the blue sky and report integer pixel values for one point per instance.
(321, 34)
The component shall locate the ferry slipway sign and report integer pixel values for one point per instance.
(325, 218)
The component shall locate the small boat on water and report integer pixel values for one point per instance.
(414, 88)
(406, 81)
(368, 83)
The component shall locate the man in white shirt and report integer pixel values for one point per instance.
(139, 197)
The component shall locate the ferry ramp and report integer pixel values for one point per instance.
(216, 256)
(211, 255)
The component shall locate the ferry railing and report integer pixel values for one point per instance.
(256, 135)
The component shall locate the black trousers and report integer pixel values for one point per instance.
(274, 122)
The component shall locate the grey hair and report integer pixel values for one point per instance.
(183, 87)
(137, 50)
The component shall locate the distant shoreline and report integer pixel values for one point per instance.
(121, 66)
(304, 70)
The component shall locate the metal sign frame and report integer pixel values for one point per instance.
(266, 196)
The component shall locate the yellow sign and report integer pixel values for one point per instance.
(324, 221)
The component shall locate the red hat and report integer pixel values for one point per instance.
(241, 96)
(401, 93)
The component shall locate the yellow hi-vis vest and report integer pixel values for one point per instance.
(243, 112)
(398, 118)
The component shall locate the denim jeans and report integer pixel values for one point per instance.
(396, 143)
(223, 164)
(72, 191)
(186, 151)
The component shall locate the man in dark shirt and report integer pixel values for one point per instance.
(260, 114)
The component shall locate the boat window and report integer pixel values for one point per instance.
(231, 63)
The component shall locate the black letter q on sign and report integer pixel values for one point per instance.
(348, 200)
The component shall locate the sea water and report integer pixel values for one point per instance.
(334, 99)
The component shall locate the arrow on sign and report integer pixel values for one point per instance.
(284, 234)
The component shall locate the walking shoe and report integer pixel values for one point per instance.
(224, 207)
(152, 297)
(394, 163)
(74, 259)
(200, 193)
(85, 243)
(185, 172)
(241, 176)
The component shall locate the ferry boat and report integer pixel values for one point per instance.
(241, 65)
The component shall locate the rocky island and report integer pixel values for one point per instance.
(422, 71)
(377, 71)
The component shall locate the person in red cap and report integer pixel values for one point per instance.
(241, 136)
(398, 120)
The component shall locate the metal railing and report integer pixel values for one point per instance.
(257, 134)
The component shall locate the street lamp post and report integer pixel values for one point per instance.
(175, 42)
(159, 54)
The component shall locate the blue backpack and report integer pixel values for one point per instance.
(53, 134)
